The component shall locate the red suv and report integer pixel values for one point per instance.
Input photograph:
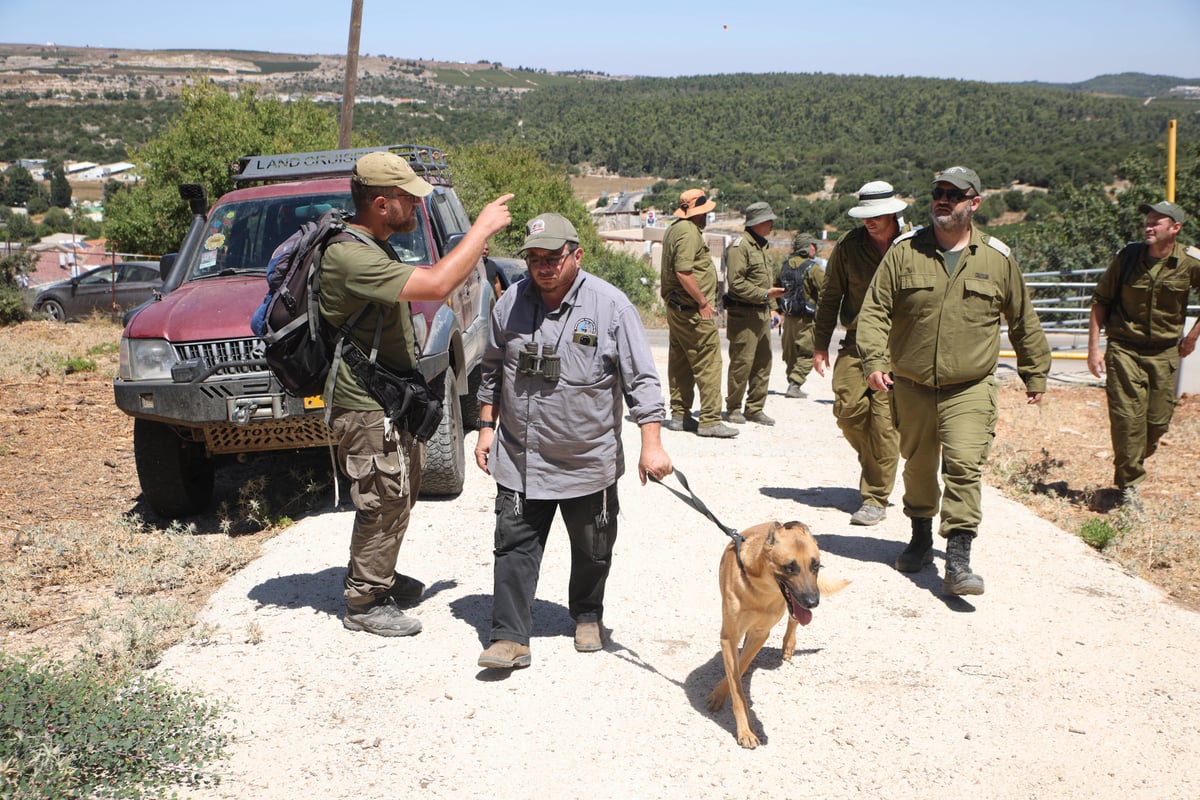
(192, 372)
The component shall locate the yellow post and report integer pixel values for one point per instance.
(1171, 129)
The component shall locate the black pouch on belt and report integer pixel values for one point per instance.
(411, 402)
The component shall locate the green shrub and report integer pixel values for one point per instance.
(13, 308)
(68, 730)
(1098, 533)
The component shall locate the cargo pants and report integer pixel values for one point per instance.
(694, 363)
(1141, 402)
(385, 478)
(865, 418)
(749, 333)
(955, 427)
(797, 337)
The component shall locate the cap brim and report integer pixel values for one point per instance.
(697, 211)
(541, 242)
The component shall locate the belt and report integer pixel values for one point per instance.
(680, 306)
(948, 387)
(731, 303)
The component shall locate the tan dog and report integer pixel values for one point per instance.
(782, 562)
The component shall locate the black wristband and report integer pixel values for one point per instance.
(486, 423)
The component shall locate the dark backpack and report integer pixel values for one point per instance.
(299, 346)
(796, 302)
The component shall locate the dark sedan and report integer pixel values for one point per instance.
(126, 284)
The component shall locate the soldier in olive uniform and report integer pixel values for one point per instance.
(864, 415)
(748, 317)
(800, 278)
(1141, 301)
(935, 305)
(689, 289)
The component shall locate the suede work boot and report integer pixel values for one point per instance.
(868, 514)
(795, 391)
(406, 591)
(759, 418)
(718, 431)
(736, 417)
(382, 618)
(587, 637)
(959, 579)
(503, 654)
(920, 548)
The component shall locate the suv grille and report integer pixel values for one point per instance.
(232, 352)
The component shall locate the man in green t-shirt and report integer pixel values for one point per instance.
(382, 462)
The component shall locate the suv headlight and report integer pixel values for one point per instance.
(146, 359)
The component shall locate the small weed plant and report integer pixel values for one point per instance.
(74, 730)
(1098, 533)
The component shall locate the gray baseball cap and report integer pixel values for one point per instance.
(962, 177)
(549, 232)
(1166, 209)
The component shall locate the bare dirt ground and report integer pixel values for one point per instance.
(1070, 677)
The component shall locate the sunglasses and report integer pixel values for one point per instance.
(955, 196)
(699, 201)
(547, 261)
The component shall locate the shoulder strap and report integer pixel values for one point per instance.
(999, 246)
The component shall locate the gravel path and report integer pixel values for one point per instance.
(1067, 679)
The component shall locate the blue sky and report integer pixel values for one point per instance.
(1051, 40)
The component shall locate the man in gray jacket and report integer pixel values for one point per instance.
(564, 349)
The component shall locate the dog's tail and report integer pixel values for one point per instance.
(831, 586)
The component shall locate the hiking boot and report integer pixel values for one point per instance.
(503, 654)
(870, 515)
(718, 431)
(920, 547)
(406, 591)
(382, 619)
(687, 423)
(794, 390)
(760, 418)
(959, 579)
(736, 417)
(587, 637)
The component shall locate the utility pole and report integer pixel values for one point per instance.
(347, 119)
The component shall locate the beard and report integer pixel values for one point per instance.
(958, 218)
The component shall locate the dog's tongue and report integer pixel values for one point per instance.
(800, 613)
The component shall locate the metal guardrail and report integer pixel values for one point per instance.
(1065, 305)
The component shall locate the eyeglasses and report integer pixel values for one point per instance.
(547, 261)
(955, 196)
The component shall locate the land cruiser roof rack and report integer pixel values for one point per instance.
(427, 162)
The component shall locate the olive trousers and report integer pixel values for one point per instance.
(1141, 401)
(798, 347)
(953, 427)
(749, 333)
(694, 363)
(865, 418)
(385, 478)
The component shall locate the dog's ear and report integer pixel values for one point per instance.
(771, 534)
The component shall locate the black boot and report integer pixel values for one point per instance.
(920, 549)
(959, 579)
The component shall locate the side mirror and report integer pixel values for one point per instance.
(453, 239)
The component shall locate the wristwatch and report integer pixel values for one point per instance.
(486, 423)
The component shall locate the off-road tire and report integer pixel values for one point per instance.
(445, 463)
(470, 400)
(175, 474)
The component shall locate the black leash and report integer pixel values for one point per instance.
(698, 504)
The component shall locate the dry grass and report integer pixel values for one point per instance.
(1056, 458)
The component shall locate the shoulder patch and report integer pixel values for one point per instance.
(904, 236)
(1194, 252)
(999, 246)
(737, 241)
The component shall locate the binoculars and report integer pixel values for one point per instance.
(548, 364)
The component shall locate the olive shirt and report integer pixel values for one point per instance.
(847, 277)
(354, 274)
(1151, 308)
(944, 330)
(748, 270)
(684, 250)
